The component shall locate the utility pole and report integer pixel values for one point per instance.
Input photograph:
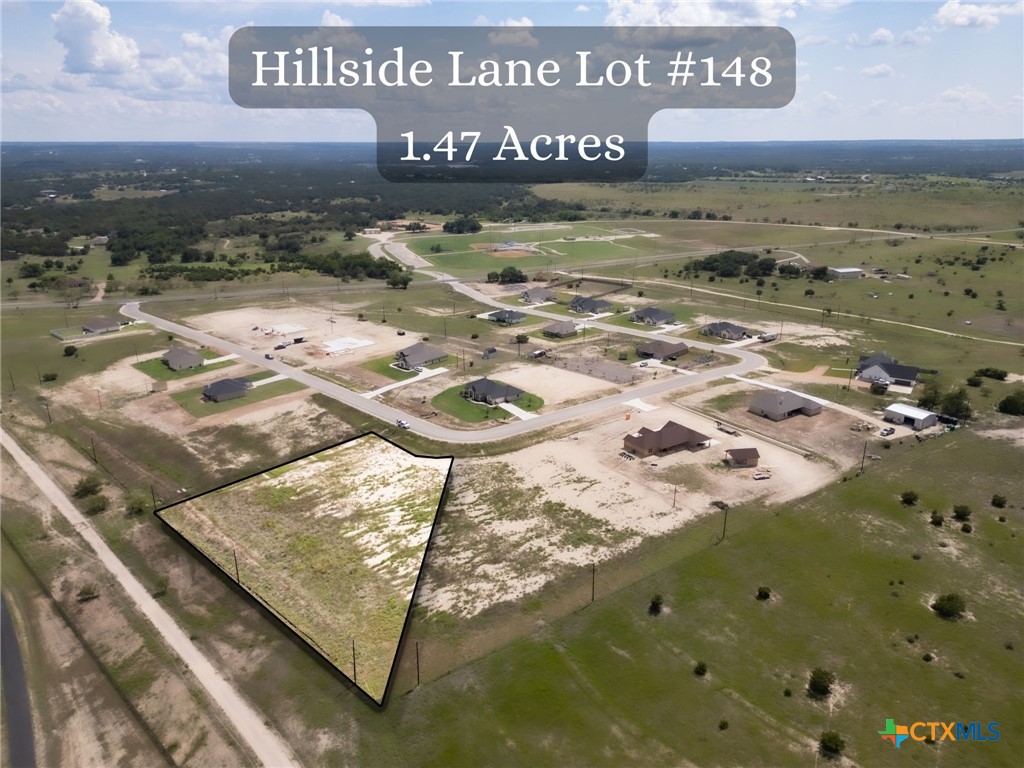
(417, 663)
(13, 388)
(725, 522)
(237, 577)
(593, 581)
(38, 375)
(864, 456)
(93, 441)
(354, 661)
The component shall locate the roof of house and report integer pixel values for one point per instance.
(669, 436)
(743, 454)
(888, 364)
(909, 411)
(587, 304)
(420, 353)
(181, 357)
(484, 388)
(507, 315)
(538, 294)
(560, 326)
(94, 324)
(226, 387)
(657, 315)
(878, 358)
(845, 270)
(661, 348)
(781, 401)
(723, 325)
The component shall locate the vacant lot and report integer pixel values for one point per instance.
(332, 544)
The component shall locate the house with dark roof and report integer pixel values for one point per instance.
(537, 295)
(584, 305)
(226, 389)
(662, 350)
(724, 330)
(670, 437)
(419, 354)
(881, 367)
(508, 317)
(101, 325)
(561, 329)
(743, 457)
(181, 359)
(653, 316)
(491, 392)
(777, 404)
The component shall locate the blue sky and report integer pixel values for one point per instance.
(157, 71)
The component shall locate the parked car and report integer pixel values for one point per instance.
(269, 356)
(401, 333)
(644, 364)
(887, 431)
(419, 369)
(403, 423)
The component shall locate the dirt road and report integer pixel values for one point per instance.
(270, 749)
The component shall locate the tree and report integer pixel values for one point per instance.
(700, 669)
(961, 513)
(87, 486)
(511, 275)
(763, 593)
(950, 606)
(937, 518)
(462, 226)
(998, 501)
(955, 403)
(493, 277)
(399, 280)
(135, 503)
(522, 338)
(1013, 403)
(831, 743)
(809, 292)
(350, 234)
(656, 604)
(909, 498)
(70, 350)
(930, 395)
(820, 682)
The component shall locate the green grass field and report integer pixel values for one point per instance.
(383, 366)
(192, 399)
(157, 369)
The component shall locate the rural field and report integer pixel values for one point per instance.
(579, 604)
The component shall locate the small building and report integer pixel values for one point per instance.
(371, 230)
(916, 418)
(724, 330)
(880, 367)
(845, 273)
(182, 359)
(491, 392)
(561, 329)
(419, 354)
(781, 404)
(226, 389)
(653, 316)
(585, 305)
(489, 353)
(100, 240)
(508, 317)
(99, 325)
(537, 295)
(743, 457)
(662, 350)
(670, 437)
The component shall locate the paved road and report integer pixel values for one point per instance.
(748, 362)
(17, 711)
(269, 748)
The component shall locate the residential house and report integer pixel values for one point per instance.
(181, 359)
(653, 316)
(537, 295)
(743, 457)
(491, 392)
(585, 305)
(662, 350)
(99, 325)
(916, 418)
(226, 389)
(560, 329)
(781, 404)
(507, 317)
(724, 330)
(670, 437)
(419, 354)
(881, 367)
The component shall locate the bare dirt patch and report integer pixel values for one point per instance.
(554, 385)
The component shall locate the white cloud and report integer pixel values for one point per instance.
(389, 3)
(885, 37)
(331, 19)
(707, 13)
(483, 21)
(957, 14)
(878, 71)
(966, 97)
(809, 40)
(90, 45)
(582, 8)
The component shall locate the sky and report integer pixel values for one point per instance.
(85, 70)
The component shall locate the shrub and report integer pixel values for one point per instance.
(763, 593)
(87, 486)
(1002, 518)
(950, 606)
(70, 350)
(820, 682)
(998, 501)
(928, 657)
(49, 377)
(136, 503)
(87, 592)
(1013, 404)
(937, 518)
(656, 604)
(787, 693)
(700, 669)
(831, 743)
(966, 528)
(723, 725)
(475, 336)
(96, 504)
(909, 498)
(961, 512)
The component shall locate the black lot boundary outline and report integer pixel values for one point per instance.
(267, 610)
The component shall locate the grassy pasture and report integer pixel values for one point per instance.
(192, 399)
